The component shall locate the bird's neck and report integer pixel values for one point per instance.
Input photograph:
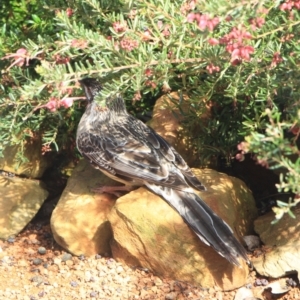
(95, 113)
(117, 105)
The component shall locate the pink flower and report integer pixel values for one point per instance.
(119, 27)
(146, 35)
(212, 23)
(188, 6)
(137, 96)
(288, 5)
(79, 44)
(238, 35)
(166, 32)
(213, 41)
(277, 59)
(69, 12)
(191, 17)
(150, 84)
(128, 44)
(61, 60)
(257, 23)
(66, 102)
(297, 4)
(132, 14)
(148, 72)
(242, 52)
(20, 57)
(204, 21)
(160, 24)
(240, 156)
(212, 68)
(235, 45)
(243, 146)
(52, 105)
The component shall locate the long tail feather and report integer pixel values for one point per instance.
(209, 227)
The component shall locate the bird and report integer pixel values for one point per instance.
(129, 151)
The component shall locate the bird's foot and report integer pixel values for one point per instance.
(114, 190)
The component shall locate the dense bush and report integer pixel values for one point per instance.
(238, 59)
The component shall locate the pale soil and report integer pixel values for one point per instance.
(26, 273)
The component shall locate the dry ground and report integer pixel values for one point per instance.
(33, 266)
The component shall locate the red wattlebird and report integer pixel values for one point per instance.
(129, 151)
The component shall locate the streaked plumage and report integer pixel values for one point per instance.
(129, 151)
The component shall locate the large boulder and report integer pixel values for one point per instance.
(20, 201)
(168, 120)
(150, 233)
(35, 162)
(79, 221)
(282, 245)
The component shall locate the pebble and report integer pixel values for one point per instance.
(11, 240)
(38, 279)
(81, 257)
(42, 250)
(119, 269)
(66, 256)
(88, 277)
(171, 296)
(93, 294)
(57, 261)
(73, 283)
(37, 261)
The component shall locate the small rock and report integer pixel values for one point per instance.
(119, 269)
(37, 279)
(66, 256)
(11, 240)
(41, 294)
(81, 257)
(252, 241)
(57, 261)
(243, 293)
(291, 282)
(42, 250)
(279, 286)
(171, 296)
(261, 282)
(93, 294)
(73, 283)
(37, 261)
(69, 263)
(87, 276)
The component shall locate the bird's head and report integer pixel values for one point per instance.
(91, 87)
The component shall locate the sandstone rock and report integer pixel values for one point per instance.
(167, 121)
(20, 201)
(79, 221)
(151, 234)
(35, 165)
(282, 245)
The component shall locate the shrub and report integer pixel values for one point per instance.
(239, 59)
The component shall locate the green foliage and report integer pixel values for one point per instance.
(235, 61)
(277, 147)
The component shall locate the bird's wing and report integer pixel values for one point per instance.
(136, 153)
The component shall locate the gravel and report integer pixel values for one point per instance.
(35, 267)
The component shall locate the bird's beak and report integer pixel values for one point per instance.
(87, 91)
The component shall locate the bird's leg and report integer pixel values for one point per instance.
(114, 190)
